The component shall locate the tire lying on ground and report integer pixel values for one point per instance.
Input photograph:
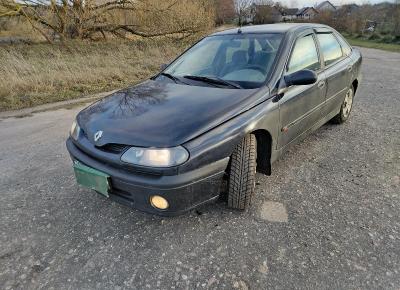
(242, 173)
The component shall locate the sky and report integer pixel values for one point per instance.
(303, 3)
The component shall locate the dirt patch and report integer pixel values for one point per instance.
(274, 212)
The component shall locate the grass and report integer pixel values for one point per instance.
(35, 74)
(374, 44)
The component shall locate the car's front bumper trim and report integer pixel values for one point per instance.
(183, 191)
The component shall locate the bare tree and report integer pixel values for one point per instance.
(267, 11)
(264, 12)
(225, 10)
(88, 18)
(242, 8)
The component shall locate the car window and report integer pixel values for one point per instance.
(208, 52)
(331, 50)
(304, 55)
(245, 59)
(230, 51)
(257, 46)
(346, 48)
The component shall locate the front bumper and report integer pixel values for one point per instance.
(183, 191)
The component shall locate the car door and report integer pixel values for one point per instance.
(301, 106)
(337, 68)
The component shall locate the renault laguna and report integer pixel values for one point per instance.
(226, 108)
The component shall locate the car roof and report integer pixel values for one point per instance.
(271, 28)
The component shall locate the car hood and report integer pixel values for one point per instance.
(160, 114)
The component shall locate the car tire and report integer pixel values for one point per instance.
(346, 107)
(242, 173)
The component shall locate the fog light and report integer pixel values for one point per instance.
(159, 202)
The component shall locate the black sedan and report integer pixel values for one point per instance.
(227, 107)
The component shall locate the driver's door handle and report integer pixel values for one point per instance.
(321, 84)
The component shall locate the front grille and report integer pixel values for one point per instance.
(112, 147)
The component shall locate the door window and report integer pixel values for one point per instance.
(331, 50)
(345, 47)
(304, 55)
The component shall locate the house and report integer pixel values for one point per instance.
(306, 13)
(289, 14)
(325, 6)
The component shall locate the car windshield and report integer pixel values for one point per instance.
(242, 59)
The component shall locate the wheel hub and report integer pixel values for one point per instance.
(347, 104)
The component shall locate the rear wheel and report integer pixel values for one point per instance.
(346, 107)
(242, 173)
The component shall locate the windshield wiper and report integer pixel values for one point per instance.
(175, 79)
(213, 80)
(232, 84)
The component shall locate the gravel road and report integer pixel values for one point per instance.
(328, 217)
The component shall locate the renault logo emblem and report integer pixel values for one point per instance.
(98, 135)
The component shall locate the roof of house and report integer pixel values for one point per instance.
(351, 6)
(290, 11)
(305, 9)
(322, 4)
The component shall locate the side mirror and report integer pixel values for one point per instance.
(301, 77)
(163, 66)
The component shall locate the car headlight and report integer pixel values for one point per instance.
(154, 157)
(75, 130)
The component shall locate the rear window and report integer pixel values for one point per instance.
(331, 50)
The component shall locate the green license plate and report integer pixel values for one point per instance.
(92, 178)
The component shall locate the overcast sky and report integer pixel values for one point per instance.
(302, 3)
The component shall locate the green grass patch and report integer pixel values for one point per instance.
(373, 44)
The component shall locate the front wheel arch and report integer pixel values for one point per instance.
(264, 150)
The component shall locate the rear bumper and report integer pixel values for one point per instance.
(183, 191)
